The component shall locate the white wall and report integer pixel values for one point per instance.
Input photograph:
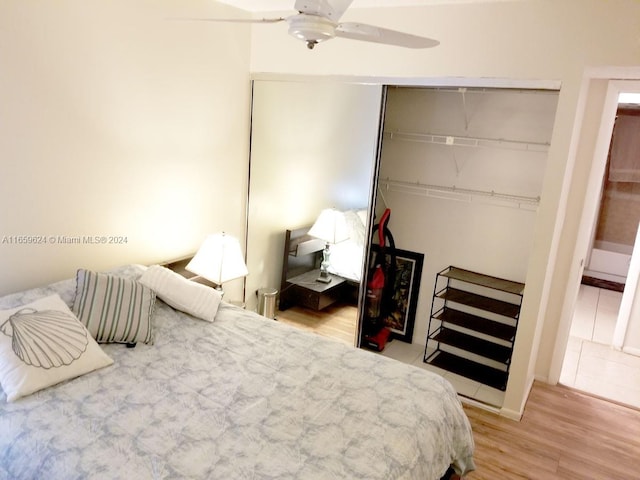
(475, 232)
(115, 121)
(523, 40)
(313, 147)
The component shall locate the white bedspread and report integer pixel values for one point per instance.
(240, 398)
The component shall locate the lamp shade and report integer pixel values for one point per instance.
(219, 259)
(330, 226)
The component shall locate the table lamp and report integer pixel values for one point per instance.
(219, 259)
(331, 227)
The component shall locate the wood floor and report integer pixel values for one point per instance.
(563, 434)
(337, 321)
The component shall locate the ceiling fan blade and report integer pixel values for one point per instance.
(230, 20)
(331, 9)
(370, 33)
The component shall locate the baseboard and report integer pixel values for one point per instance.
(511, 414)
(539, 378)
(632, 351)
(517, 414)
(608, 282)
(476, 403)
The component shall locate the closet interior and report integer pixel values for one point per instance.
(461, 170)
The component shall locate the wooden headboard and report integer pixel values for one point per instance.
(179, 266)
(302, 253)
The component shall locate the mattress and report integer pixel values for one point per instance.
(242, 397)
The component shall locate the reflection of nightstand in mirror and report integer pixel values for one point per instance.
(305, 291)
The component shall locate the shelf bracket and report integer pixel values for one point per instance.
(455, 160)
(463, 91)
(384, 200)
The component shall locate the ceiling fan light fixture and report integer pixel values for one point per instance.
(311, 29)
(318, 21)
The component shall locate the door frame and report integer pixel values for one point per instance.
(628, 296)
(616, 84)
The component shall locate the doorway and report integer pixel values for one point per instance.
(590, 363)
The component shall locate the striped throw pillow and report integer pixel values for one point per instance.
(114, 309)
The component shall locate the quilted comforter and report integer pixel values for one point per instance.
(242, 397)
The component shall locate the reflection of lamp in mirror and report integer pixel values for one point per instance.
(219, 260)
(331, 227)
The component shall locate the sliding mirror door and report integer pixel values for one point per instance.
(313, 147)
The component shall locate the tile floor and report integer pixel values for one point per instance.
(590, 364)
(413, 354)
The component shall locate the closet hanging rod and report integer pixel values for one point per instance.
(459, 141)
(455, 193)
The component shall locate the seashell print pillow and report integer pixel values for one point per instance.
(42, 344)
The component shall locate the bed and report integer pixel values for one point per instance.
(239, 396)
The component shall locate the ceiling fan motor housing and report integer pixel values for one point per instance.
(311, 28)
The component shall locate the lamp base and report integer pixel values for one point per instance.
(324, 266)
(324, 277)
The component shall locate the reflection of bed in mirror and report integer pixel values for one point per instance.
(301, 266)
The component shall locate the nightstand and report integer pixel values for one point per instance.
(179, 266)
(305, 291)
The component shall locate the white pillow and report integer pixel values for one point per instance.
(42, 344)
(182, 294)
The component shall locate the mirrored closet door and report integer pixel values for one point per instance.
(313, 147)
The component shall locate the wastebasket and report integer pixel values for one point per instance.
(267, 302)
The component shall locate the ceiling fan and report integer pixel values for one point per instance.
(317, 21)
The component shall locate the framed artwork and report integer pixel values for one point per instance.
(401, 313)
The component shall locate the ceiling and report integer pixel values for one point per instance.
(280, 5)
